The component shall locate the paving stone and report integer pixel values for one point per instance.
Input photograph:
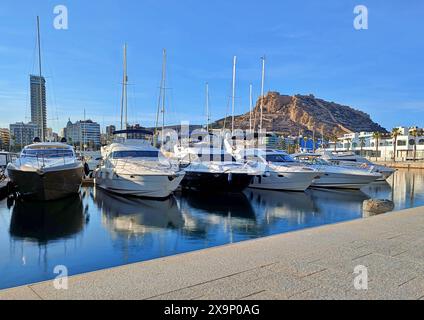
(323, 293)
(332, 279)
(265, 295)
(285, 285)
(19, 293)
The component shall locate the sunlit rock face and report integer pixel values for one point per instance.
(292, 115)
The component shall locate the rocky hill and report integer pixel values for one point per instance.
(292, 115)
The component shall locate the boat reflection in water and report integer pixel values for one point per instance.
(280, 204)
(379, 189)
(281, 210)
(288, 211)
(234, 204)
(217, 219)
(44, 222)
(338, 205)
(136, 216)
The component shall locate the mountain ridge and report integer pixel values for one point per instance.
(303, 114)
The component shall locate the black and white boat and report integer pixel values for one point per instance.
(46, 171)
(214, 170)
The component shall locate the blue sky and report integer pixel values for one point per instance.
(311, 47)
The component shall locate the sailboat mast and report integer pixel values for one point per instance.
(234, 93)
(262, 92)
(84, 132)
(41, 82)
(125, 88)
(163, 93)
(250, 106)
(124, 92)
(207, 107)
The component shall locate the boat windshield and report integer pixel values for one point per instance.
(47, 153)
(313, 160)
(135, 154)
(279, 158)
(218, 157)
(320, 161)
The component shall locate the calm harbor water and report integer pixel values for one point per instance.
(97, 230)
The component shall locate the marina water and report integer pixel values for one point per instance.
(97, 230)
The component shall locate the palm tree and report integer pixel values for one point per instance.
(362, 143)
(414, 133)
(395, 133)
(349, 142)
(376, 135)
(305, 139)
(335, 138)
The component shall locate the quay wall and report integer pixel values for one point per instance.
(402, 164)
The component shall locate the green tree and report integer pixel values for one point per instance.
(414, 133)
(349, 142)
(376, 135)
(395, 134)
(362, 144)
(335, 138)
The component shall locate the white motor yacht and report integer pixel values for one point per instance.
(337, 176)
(281, 172)
(46, 171)
(350, 159)
(135, 167)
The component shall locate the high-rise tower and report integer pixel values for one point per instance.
(38, 104)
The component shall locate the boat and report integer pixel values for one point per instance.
(337, 176)
(46, 171)
(212, 169)
(136, 168)
(281, 171)
(353, 160)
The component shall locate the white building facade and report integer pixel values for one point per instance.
(84, 134)
(407, 146)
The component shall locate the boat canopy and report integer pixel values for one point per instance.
(134, 131)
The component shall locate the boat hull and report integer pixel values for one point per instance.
(216, 182)
(49, 185)
(343, 181)
(146, 186)
(286, 181)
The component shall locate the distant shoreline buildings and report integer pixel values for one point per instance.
(83, 134)
(402, 144)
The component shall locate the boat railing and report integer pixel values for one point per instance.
(157, 167)
(41, 159)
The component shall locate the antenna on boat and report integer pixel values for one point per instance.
(250, 106)
(163, 89)
(234, 92)
(40, 74)
(124, 100)
(207, 107)
(262, 92)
